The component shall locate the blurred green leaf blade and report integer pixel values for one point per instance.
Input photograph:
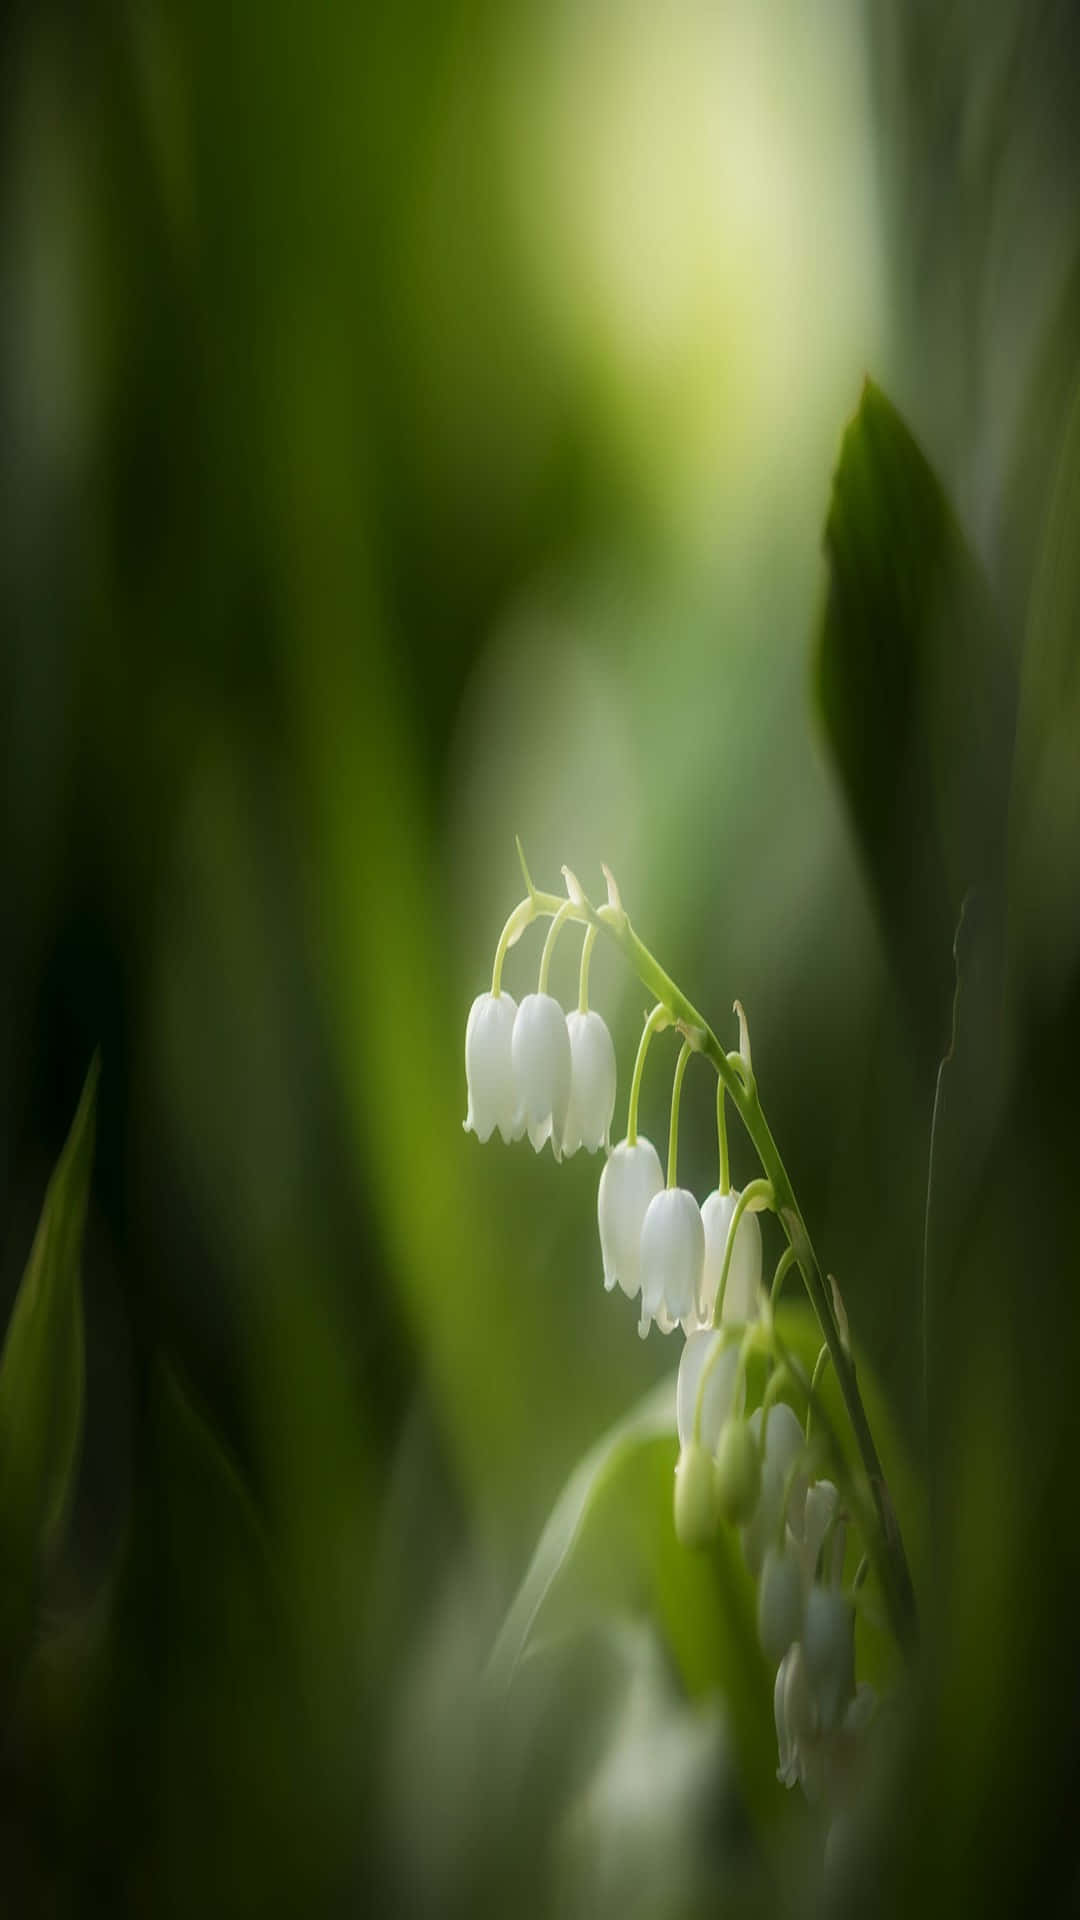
(917, 699)
(609, 1550)
(42, 1372)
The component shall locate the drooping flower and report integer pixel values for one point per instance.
(540, 1052)
(794, 1715)
(695, 1497)
(744, 1273)
(780, 1602)
(738, 1471)
(709, 1374)
(829, 1646)
(592, 1083)
(784, 1444)
(704, 1399)
(489, 1071)
(819, 1513)
(672, 1257)
(631, 1178)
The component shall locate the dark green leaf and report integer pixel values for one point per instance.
(42, 1375)
(917, 701)
(1045, 823)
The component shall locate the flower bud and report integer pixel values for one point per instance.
(793, 1713)
(784, 1443)
(672, 1256)
(540, 1051)
(709, 1370)
(632, 1176)
(695, 1499)
(489, 1072)
(818, 1514)
(592, 1083)
(738, 1471)
(744, 1273)
(760, 1531)
(780, 1602)
(829, 1646)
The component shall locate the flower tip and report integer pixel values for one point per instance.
(574, 889)
(613, 898)
(744, 1032)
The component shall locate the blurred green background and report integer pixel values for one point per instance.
(418, 428)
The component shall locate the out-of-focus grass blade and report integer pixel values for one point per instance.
(42, 1374)
(917, 701)
(1045, 819)
(609, 1550)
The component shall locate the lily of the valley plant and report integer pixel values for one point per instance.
(778, 1474)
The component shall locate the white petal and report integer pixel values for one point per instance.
(788, 1770)
(592, 1084)
(744, 1273)
(818, 1510)
(785, 1443)
(540, 1051)
(707, 1369)
(489, 1068)
(780, 1602)
(632, 1175)
(829, 1646)
(672, 1256)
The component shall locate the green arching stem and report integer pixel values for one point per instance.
(587, 946)
(524, 913)
(755, 1190)
(783, 1267)
(566, 912)
(676, 1098)
(721, 1135)
(820, 1365)
(657, 1019)
(740, 1083)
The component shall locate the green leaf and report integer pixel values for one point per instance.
(609, 1550)
(1045, 823)
(917, 699)
(42, 1375)
(652, 1417)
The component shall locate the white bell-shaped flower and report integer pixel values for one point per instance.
(794, 1715)
(829, 1646)
(631, 1178)
(672, 1257)
(780, 1602)
(784, 1444)
(592, 1083)
(744, 1273)
(540, 1051)
(709, 1372)
(489, 1072)
(819, 1512)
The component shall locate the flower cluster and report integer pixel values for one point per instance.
(533, 1068)
(756, 1474)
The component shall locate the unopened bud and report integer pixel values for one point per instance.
(695, 1497)
(780, 1602)
(738, 1471)
(829, 1646)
